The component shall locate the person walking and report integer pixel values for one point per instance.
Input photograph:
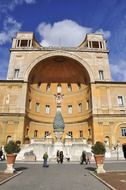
(61, 157)
(88, 157)
(1, 154)
(45, 158)
(58, 156)
(83, 157)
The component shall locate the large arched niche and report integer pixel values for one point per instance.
(55, 70)
(48, 56)
(59, 69)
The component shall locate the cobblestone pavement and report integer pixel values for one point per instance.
(115, 179)
(57, 177)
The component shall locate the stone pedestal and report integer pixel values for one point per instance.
(100, 168)
(10, 168)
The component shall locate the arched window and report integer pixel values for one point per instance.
(79, 86)
(101, 74)
(38, 85)
(16, 73)
(70, 109)
(59, 88)
(69, 87)
(47, 109)
(48, 87)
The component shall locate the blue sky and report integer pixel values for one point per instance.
(65, 23)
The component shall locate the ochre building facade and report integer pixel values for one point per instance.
(76, 82)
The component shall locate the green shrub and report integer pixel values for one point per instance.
(12, 147)
(98, 148)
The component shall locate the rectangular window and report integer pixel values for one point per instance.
(70, 109)
(46, 133)
(101, 75)
(120, 101)
(95, 44)
(70, 133)
(47, 109)
(24, 43)
(37, 107)
(80, 107)
(123, 131)
(35, 133)
(59, 88)
(16, 73)
(81, 134)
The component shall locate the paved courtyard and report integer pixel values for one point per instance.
(57, 177)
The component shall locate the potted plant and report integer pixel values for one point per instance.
(11, 149)
(98, 149)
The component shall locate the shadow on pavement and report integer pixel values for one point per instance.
(90, 168)
(21, 168)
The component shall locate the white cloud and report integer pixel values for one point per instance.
(11, 4)
(64, 33)
(119, 71)
(106, 34)
(10, 27)
(30, 1)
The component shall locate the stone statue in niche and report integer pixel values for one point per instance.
(59, 98)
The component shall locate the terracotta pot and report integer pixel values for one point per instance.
(11, 158)
(99, 159)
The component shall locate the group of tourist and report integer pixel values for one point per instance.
(59, 156)
(85, 157)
